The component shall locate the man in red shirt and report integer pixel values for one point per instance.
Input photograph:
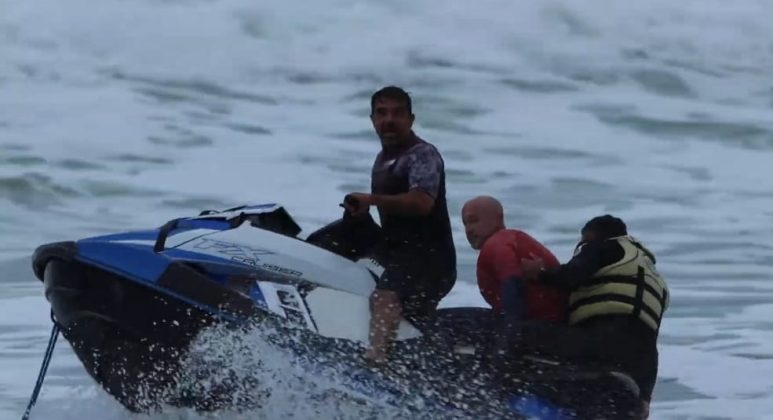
(500, 279)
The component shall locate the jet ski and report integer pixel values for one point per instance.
(130, 304)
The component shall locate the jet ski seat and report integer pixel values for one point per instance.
(351, 237)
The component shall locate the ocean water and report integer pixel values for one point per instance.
(117, 115)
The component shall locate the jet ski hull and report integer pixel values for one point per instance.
(135, 354)
(129, 337)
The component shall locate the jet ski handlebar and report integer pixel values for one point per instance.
(351, 201)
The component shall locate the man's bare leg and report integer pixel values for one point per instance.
(385, 312)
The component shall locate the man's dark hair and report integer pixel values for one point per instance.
(394, 93)
(606, 226)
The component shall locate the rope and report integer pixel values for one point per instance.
(43, 368)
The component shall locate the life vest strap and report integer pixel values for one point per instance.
(639, 299)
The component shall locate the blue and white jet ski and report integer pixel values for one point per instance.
(130, 304)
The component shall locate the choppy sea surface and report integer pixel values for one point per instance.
(117, 115)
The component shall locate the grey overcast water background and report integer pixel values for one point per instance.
(117, 115)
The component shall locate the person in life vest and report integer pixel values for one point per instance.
(616, 303)
(498, 268)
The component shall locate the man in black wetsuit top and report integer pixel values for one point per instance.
(408, 190)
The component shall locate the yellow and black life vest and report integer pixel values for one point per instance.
(631, 286)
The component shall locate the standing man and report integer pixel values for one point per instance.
(409, 192)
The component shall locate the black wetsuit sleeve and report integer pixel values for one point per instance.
(425, 170)
(578, 271)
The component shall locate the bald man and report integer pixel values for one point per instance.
(499, 274)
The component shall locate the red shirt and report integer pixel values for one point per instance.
(500, 259)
